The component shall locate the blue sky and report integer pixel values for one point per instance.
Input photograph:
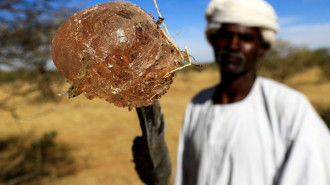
(302, 22)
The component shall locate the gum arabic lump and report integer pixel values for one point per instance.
(115, 51)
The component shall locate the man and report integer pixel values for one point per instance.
(249, 130)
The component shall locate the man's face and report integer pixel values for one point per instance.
(237, 48)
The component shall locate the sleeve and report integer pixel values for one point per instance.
(307, 159)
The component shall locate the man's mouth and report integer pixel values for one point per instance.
(234, 58)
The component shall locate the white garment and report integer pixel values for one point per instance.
(272, 137)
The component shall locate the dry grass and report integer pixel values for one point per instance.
(101, 134)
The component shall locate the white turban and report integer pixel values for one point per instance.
(251, 13)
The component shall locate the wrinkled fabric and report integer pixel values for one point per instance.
(251, 13)
(272, 137)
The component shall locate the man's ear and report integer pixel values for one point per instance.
(263, 50)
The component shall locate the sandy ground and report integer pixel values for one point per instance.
(101, 134)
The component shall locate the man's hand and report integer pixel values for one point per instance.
(151, 157)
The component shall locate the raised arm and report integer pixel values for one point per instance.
(150, 153)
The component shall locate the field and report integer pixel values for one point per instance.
(98, 136)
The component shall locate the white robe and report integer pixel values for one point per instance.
(272, 137)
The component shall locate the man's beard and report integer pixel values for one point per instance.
(226, 58)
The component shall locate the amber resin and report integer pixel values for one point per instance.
(115, 51)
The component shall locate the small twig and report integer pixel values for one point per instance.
(170, 39)
(186, 65)
(168, 36)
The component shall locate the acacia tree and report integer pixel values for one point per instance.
(26, 30)
(322, 58)
(284, 60)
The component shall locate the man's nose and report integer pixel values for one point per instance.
(234, 43)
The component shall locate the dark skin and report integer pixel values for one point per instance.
(237, 49)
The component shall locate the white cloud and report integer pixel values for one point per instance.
(287, 20)
(312, 36)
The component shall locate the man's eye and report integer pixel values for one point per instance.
(222, 35)
(247, 38)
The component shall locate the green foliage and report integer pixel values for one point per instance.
(17, 75)
(36, 81)
(322, 58)
(45, 142)
(286, 60)
(29, 76)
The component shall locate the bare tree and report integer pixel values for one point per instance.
(26, 30)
